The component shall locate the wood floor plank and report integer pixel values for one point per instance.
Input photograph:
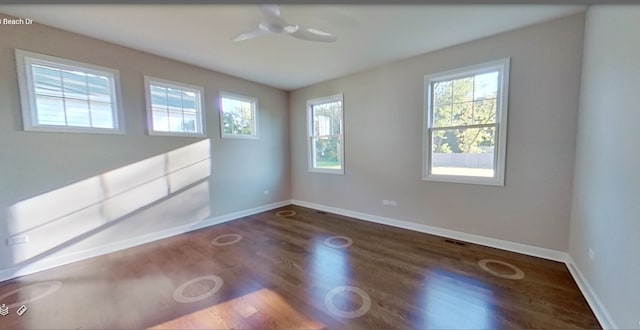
(280, 274)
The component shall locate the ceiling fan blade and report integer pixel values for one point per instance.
(311, 34)
(249, 35)
(273, 9)
(271, 18)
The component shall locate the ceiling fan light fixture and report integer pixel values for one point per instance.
(291, 28)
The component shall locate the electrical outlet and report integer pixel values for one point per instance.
(385, 202)
(592, 254)
(21, 239)
(393, 203)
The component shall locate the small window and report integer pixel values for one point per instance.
(174, 108)
(466, 124)
(60, 95)
(238, 116)
(326, 136)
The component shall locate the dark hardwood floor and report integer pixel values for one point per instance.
(287, 272)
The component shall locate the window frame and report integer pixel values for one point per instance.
(503, 68)
(310, 136)
(255, 135)
(200, 112)
(24, 64)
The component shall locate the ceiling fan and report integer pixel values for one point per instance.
(272, 22)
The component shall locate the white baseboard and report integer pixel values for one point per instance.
(605, 319)
(48, 263)
(487, 241)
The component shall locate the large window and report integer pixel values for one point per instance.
(60, 95)
(466, 124)
(238, 116)
(326, 136)
(174, 108)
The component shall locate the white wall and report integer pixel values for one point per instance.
(76, 192)
(606, 194)
(383, 140)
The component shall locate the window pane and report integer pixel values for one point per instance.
(189, 100)
(227, 116)
(336, 118)
(238, 116)
(326, 153)
(74, 85)
(442, 116)
(175, 120)
(101, 115)
(47, 81)
(235, 122)
(316, 121)
(189, 112)
(484, 111)
(442, 93)
(462, 114)
(323, 125)
(463, 90)
(486, 86)
(99, 89)
(77, 113)
(175, 109)
(159, 97)
(327, 118)
(174, 99)
(50, 111)
(232, 122)
(190, 122)
(160, 120)
(463, 152)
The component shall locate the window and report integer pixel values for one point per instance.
(60, 95)
(326, 136)
(466, 124)
(173, 108)
(238, 116)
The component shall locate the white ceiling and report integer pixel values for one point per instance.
(368, 35)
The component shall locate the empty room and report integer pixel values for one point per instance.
(319, 166)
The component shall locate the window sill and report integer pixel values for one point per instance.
(72, 129)
(240, 137)
(177, 134)
(465, 180)
(326, 171)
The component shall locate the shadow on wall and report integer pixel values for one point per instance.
(148, 196)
